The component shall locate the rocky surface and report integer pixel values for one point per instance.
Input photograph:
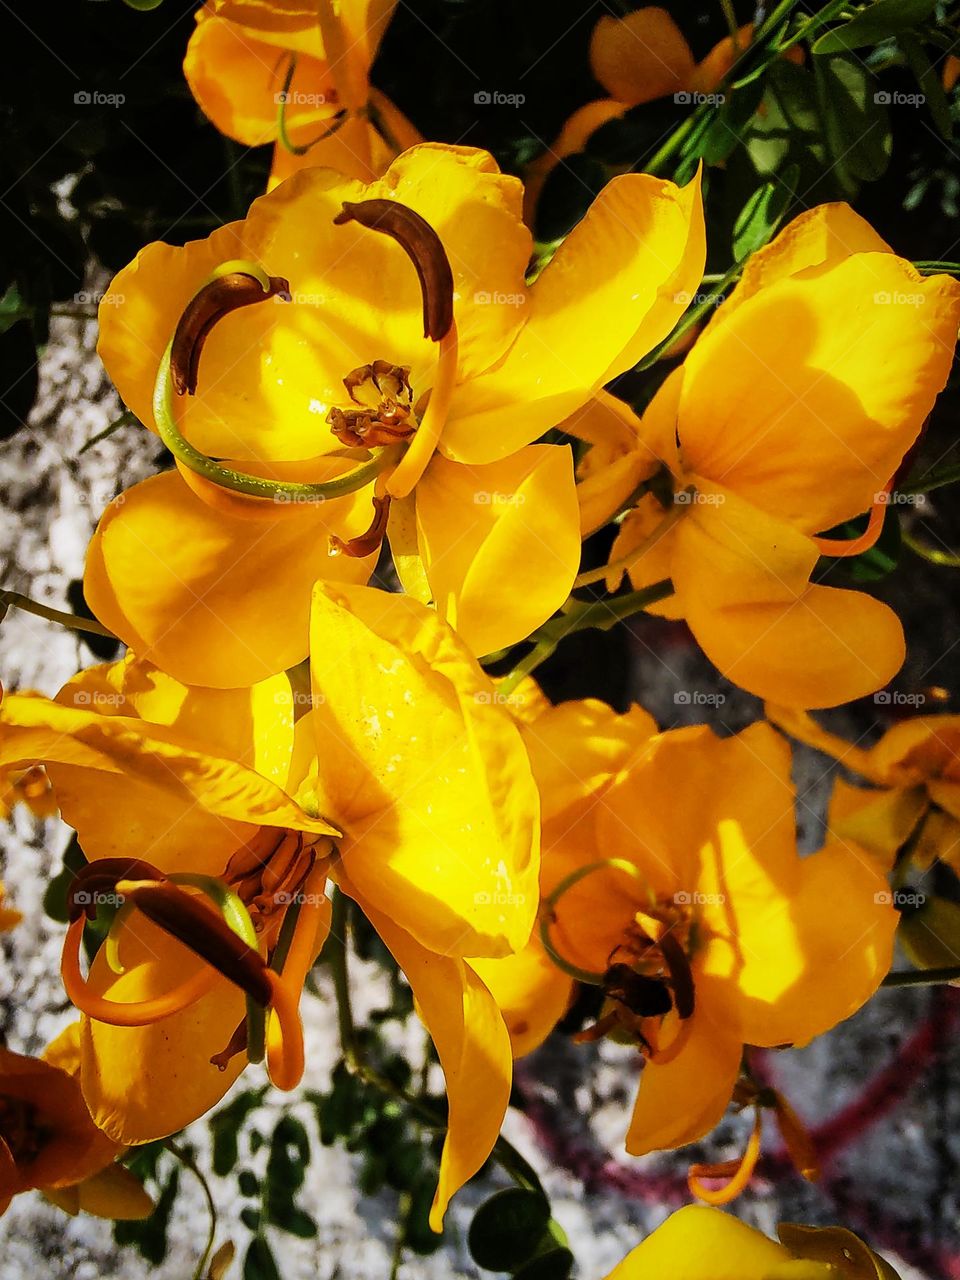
(893, 1141)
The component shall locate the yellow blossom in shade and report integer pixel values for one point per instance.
(405, 782)
(913, 794)
(700, 1243)
(9, 918)
(30, 787)
(637, 58)
(244, 61)
(49, 1143)
(212, 586)
(769, 445)
(680, 872)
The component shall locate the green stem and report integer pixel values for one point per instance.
(936, 479)
(934, 267)
(598, 614)
(692, 317)
(13, 599)
(299, 149)
(922, 977)
(126, 419)
(336, 955)
(188, 1162)
(278, 491)
(949, 559)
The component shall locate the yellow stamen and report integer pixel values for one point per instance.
(739, 1171)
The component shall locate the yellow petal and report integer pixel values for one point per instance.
(500, 542)
(424, 772)
(142, 1083)
(720, 61)
(650, 557)
(136, 790)
(697, 1242)
(742, 579)
(799, 969)
(614, 466)
(640, 57)
(798, 724)
(682, 1100)
(215, 599)
(878, 821)
(237, 79)
(474, 1050)
(616, 286)
(532, 994)
(114, 1193)
(871, 344)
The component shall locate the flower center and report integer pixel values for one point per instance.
(268, 874)
(383, 398)
(20, 1129)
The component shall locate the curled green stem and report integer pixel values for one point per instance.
(188, 1162)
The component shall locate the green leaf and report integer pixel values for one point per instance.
(259, 1263)
(555, 1264)
(882, 19)
(506, 1229)
(225, 1126)
(143, 6)
(930, 936)
(12, 308)
(855, 118)
(249, 1183)
(763, 213)
(789, 127)
(55, 898)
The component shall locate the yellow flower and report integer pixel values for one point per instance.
(247, 60)
(637, 58)
(48, 1142)
(700, 1243)
(26, 786)
(673, 882)
(768, 444)
(405, 782)
(213, 587)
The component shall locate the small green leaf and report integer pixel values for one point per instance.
(855, 118)
(248, 1183)
(259, 1263)
(763, 213)
(882, 19)
(507, 1229)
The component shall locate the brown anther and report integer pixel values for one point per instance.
(99, 879)
(221, 296)
(642, 995)
(206, 933)
(370, 428)
(392, 381)
(365, 543)
(422, 246)
(681, 976)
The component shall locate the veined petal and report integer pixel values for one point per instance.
(425, 772)
(474, 1050)
(133, 790)
(213, 598)
(680, 1101)
(236, 79)
(617, 285)
(871, 344)
(113, 1193)
(640, 57)
(142, 1083)
(698, 1241)
(500, 542)
(253, 726)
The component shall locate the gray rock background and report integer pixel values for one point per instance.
(895, 1179)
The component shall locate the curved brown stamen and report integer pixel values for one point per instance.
(681, 976)
(101, 878)
(365, 543)
(422, 246)
(221, 296)
(204, 932)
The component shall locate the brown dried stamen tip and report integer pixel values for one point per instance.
(98, 880)
(221, 296)
(365, 543)
(206, 933)
(422, 246)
